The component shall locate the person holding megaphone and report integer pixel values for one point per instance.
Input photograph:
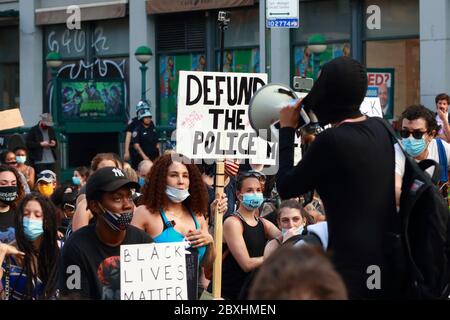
(351, 166)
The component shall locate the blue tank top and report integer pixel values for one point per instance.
(169, 234)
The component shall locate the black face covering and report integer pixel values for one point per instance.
(8, 194)
(338, 92)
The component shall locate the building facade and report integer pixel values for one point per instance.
(404, 43)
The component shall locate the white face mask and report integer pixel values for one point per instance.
(176, 195)
(298, 230)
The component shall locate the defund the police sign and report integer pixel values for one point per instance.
(212, 117)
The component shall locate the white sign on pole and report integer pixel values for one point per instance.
(212, 117)
(282, 14)
(155, 271)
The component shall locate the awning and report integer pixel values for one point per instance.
(166, 6)
(89, 12)
(9, 14)
(9, 18)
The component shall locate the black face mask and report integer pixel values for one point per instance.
(8, 194)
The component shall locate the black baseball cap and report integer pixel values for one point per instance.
(107, 179)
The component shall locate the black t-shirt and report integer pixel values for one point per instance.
(352, 169)
(6, 220)
(7, 231)
(99, 264)
(132, 125)
(147, 138)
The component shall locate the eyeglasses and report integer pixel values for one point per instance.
(417, 134)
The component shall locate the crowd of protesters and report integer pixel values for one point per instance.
(272, 249)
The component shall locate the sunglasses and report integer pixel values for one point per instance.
(46, 175)
(255, 174)
(68, 207)
(417, 134)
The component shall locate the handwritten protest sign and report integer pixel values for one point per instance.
(10, 119)
(212, 119)
(154, 271)
(371, 107)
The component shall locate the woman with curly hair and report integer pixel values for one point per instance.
(175, 200)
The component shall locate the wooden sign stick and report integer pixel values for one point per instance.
(218, 232)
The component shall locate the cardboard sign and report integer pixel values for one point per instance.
(212, 119)
(10, 119)
(155, 271)
(371, 107)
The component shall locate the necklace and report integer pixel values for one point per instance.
(359, 119)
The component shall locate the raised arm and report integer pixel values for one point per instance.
(82, 214)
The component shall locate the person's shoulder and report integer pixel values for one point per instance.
(232, 220)
(444, 142)
(136, 236)
(134, 120)
(81, 237)
(142, 210)
(33, 129)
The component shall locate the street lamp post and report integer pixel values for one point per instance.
(143, 54)
(223, 19)
(317, 45)
(54, 61)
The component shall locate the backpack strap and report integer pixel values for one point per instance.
(443, 161)
(427, 163)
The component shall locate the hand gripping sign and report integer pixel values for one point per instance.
(212, 117)
(213, 123)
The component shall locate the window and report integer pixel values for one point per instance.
(332, 19)
(403, 56)
(98, 51)
(9, 68)
(323, 23)
(169, 67)
(399, 18)
(308, 63)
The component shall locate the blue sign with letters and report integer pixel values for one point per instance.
(372, 92)
(283, 23)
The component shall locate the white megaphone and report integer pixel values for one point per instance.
(265, 106)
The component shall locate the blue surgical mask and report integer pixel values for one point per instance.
(252, 201)
(76, 181)
(32, 228)
(177, 195)
(21, 159)
(141, 181)
(414, 147)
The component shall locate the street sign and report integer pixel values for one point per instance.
(282, 14)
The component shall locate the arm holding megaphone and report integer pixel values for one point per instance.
(290, 115)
